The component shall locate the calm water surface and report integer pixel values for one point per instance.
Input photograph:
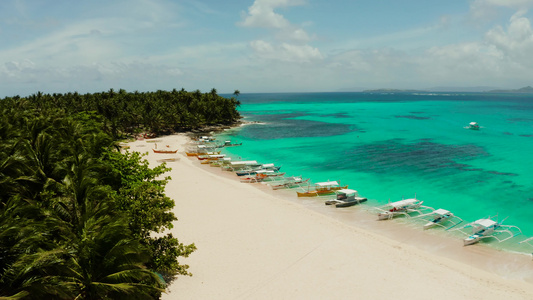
(394, 146)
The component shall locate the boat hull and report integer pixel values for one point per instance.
(321, 192)
(165, 151)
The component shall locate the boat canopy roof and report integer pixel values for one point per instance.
(441, 212)
(268, 165)
(473, 123)
(217, 155)
(327, 183)
(244, 162)
(346, 191)
(485, 222)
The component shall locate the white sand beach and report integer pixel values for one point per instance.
(254, 243)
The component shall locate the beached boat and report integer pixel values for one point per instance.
(204, 138)
(167, 151)
(403, 207)
(322, 188)
(211, 156)
(200, 150)
(488, 228)
(473, 126)
(345, 198)
(229, 144)
(252, 169)
(440, 217)
(239, 165)
(266, 174)
(261, 175)
(288, 182)
(220, 162)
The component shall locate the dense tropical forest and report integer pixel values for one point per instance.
(80, 219)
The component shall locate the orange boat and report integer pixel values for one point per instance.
(323, 188)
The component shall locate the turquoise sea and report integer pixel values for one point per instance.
(394, 146)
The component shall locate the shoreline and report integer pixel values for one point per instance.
(256, 243)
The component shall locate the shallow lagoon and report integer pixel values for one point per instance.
(394, 146)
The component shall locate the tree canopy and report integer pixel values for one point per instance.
(77, 216)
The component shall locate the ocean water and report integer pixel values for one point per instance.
(394, 146)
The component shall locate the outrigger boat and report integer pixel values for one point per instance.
(261, 175)
(322, 188)
(473, 126)
(345, 198)
(211, 157)
(529, 242)
(164, 151)
(239, 165)
(403, 207)
(228, 144)
(488, 228)
(252, 170)
(200, 150)
(440, 217)
(220, 162)
(287, 183)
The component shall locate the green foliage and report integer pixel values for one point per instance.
(120, 114)
(141, 196)
(165, 250)
(79, 220)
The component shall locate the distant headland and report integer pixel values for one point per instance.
(528, 89)
(394, 91)
(524, 90)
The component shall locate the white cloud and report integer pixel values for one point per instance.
(286, 52)
(261, 14)
(290, 40)
(516, 43)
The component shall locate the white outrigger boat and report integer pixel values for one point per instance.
(488, 228)
(403, 207)
(261, 175)
(440, 217)
(473, 126)
(239, 165)
(345, 198)
(288, 182)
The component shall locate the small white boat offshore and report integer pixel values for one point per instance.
(345, 198)
(440, 217)
(488, 228)
(473, 126)
(403, 207)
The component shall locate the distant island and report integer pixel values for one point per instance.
(525, 90)
(394, 91)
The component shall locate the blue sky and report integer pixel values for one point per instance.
(263, 45)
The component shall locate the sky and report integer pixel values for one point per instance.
(59, 46)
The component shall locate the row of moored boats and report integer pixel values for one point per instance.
(206, 150)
